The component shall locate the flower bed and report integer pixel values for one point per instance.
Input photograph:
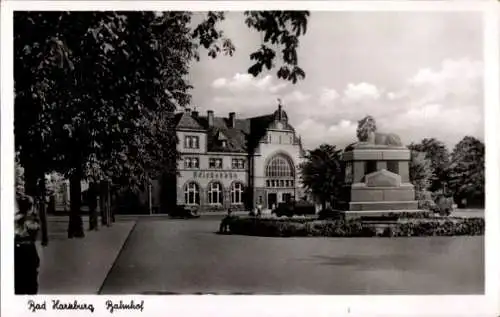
(300, 227)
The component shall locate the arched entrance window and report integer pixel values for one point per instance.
(280, 180)
(237, 193)
(280, 166)
(192, 194)
(215, 193)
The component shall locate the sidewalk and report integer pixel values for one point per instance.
(79, 266)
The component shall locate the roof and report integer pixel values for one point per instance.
(242, 138)
(186, 121)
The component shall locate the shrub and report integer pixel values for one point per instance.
(355, 227)
(330, 213)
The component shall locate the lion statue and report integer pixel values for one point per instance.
(366, 133)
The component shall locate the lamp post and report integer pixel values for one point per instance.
(150, 201)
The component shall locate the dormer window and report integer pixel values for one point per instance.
(222, 139)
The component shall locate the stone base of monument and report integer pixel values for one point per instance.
(380, 194)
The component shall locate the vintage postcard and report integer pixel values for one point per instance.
(323, 158)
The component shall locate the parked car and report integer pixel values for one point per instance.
(184, 212)
(294, 208)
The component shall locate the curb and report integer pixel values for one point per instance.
(117, 256)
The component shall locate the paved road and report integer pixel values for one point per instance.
(164, 256)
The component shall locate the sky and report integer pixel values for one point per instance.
(419, 74)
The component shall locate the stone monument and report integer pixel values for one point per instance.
(377, 179)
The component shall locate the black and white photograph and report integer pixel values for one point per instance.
(171, 151)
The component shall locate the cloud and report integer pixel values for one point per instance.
(296, 96)
(355, 93)
(455, 79)
(316, 133)
(246, 82)
(328, 96)
(443, 102)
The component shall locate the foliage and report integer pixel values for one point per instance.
(103, 85)
(467, 169)
(282, 29)
(438, 154)
(95, 91)
(356, 228)
(421, 175)
(329, 213)
(322, 173)
(19, 176)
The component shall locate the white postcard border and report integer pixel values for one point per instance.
(477, 305)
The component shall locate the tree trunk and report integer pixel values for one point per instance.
(30, 182)
(43, 212)
(106, 204)
(75, 227)
(92, 201)
(111, 213)
(102, 202)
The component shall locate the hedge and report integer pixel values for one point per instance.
(355, 227)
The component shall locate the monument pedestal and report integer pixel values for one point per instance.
(377, 181)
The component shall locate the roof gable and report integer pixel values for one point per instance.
(186, 121)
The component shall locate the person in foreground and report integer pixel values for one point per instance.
(26, 260)
(224, 225)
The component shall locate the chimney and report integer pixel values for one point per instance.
(194, 114)
(210, 117)
(232, 119)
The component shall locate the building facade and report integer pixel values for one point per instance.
(230, 162)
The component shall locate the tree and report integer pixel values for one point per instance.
(322, 173)
(421, 176)
(467, 171)
(439, 157)
(421, 173)
(95, 90)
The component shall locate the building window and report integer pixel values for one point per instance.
(238, 163)
(191, 162)
(191, 142)
(224, 143)
(237, 193)
(279, 166)
(215, 163)
(215, 193)
(192, 194)
(280, 183)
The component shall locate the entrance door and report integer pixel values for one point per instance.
(272, 199)
(287, 197)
